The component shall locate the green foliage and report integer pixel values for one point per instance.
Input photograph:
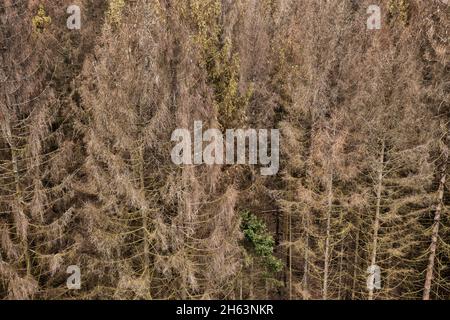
(255, 232)
(114, 13)
(224, 75)
(40, 21)
(221, 63)
(400, 9)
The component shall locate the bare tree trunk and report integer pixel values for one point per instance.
(24, 239)
(341, 262)
(435, 232)
(306, 267)
(290, 256)
(355, 264)
(241, 295)
(145, 221)
(376, 223)
(327, 240)
(145, 211)
(251, 294)
(341, 257)
(18, 194)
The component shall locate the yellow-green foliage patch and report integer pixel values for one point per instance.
(114, 13)
(40, 21)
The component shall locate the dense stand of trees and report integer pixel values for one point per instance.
(86, 176)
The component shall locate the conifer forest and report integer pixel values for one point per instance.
(224, 149)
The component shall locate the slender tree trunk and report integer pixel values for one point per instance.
(18, 194)
(355, 264)
(327, 240)
(19, 198)
(306, 267)
(341, 262)
(241, 295)
(251, 294)
(145, 211)
(376, 223)
(435, 231)
(341, 257)
(138, 168)
(14, 158)
(290, 256)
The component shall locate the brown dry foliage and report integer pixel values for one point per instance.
(86, 177)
